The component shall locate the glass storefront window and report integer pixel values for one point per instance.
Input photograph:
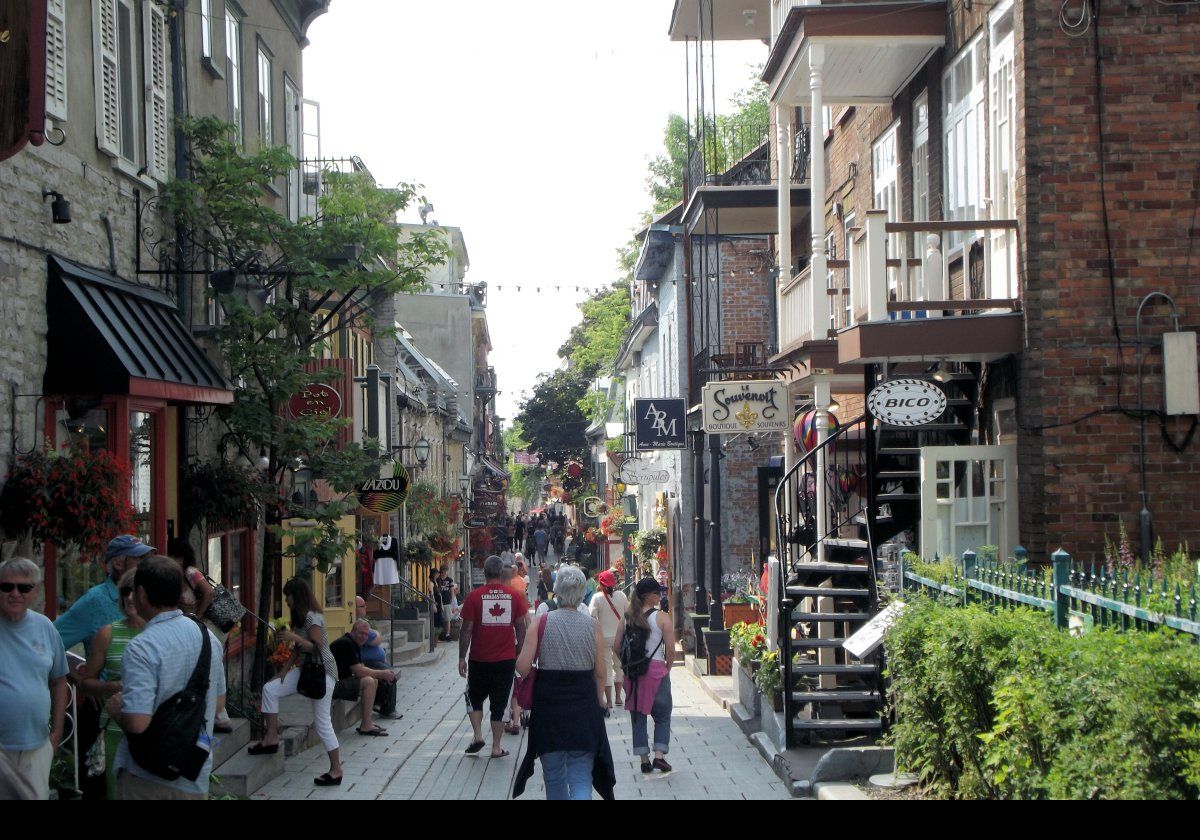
(216, 559)
(141, 467)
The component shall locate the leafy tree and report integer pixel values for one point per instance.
(666, 171)
(297, 284)
(551, 419)
(593, 343)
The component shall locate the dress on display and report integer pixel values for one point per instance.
(387, 555)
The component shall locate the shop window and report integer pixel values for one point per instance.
(141, 473)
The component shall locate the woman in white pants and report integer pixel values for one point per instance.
(310, 641)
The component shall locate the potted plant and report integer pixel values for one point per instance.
(749, 644)
(769, 679)
(739, 602)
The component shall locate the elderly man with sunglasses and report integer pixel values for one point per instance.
(33, 685)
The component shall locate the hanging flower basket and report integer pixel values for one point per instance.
(221, 495)
(69, 499)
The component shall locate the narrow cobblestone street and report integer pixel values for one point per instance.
(422, 755)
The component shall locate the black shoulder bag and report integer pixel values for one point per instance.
(174, 744)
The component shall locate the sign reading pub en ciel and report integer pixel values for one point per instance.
(907, 402)
(745, 407)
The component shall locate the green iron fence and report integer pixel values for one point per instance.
(1092, 595)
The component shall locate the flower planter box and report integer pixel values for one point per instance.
(748, 694)
(737, 613)
(720, 654)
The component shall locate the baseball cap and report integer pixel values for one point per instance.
(606, 578)
(645, 586)
(126, 545)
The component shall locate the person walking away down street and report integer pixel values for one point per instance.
(647, 676)
(540, 540)
(355, 681)
(494, 619)
(566, 726)
(33, 685)
(198, 594)
(157, 665)
(99, 607)
(309, 638)
(508, 577)
(101, 675)
(608, 608)
(448, 598)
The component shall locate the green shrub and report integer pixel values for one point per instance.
(1002, 705)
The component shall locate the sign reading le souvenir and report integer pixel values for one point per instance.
(907, 402)
(745, 407)
(384, 495)
(316, 400)
(660, 424)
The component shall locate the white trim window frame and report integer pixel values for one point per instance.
(293, 138)
(265, 100)
(114, 32)
(206, 29)
(885, 195)
(968, 499)
(233, 71)
(920, 159)
(964, 136)
(1002, 99)
(156, 70)
(847, 254)
(56, 59)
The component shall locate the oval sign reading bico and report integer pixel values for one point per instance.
(907, 402)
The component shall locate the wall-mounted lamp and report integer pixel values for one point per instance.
(421, 450)
(60, 208)
(834, 405)
(941, 373)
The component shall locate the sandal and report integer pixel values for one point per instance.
(512, 729)
(378, 731)
(475, 747)
(501, 754)
(263, 749)
(325, 780)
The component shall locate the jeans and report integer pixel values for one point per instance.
(661, 712)
(568, 774)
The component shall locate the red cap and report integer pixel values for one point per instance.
(606, 578)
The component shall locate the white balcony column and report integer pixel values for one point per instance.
(877, 280)
(932, 274)
(821, 406)
(816, 180)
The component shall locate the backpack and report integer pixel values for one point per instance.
(176, 741)
(634, 661)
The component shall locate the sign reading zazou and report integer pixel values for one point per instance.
(660, 424)
(748, 407)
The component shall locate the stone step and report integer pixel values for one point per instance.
(228, 744)
(408, 652)
(835, 696)
(296, 729)
(244, 774)
(833, 724)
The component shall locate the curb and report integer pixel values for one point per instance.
(839, 792)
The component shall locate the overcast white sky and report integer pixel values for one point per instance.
(530, 124)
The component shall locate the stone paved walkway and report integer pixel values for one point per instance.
(422, 756)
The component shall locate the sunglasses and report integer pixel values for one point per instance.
(23, 588)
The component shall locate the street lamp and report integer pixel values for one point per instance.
(464, 482)
(421, 450)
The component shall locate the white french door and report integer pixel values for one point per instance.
(968, 500)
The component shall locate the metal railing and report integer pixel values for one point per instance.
(1071, 593)
(722, 154)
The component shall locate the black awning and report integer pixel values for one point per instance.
(106, 335)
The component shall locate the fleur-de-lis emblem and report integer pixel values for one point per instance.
(746, 417)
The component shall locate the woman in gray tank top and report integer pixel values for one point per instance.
(566, 724)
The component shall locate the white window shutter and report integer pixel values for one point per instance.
(108, 101)
(56, 59)
(154, 34)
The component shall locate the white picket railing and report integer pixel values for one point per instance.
(795, 310)
(881, 285)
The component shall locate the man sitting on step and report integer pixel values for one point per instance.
(358, 682)
(373, 654)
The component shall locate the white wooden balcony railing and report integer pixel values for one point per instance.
(779, 13)
(797, 302)
(979, 274)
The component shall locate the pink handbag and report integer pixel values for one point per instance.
(523, 687)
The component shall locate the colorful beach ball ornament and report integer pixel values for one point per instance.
(805, 429)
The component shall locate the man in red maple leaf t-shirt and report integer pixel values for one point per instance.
(494, 618)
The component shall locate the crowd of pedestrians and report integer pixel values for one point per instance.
(152, 678)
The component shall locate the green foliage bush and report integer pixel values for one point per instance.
(1002, 705)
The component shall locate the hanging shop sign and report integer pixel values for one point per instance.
(660, 424)
(590, 506)
(907, 402)
(384, 495)
(638, 471)
(316, 400)
(525, 459)
(475, 522)
(745, 407)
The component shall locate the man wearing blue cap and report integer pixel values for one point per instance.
(99, 607)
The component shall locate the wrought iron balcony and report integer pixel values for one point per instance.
(485, 383)
(730, 152)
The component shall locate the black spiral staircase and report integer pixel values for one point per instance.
(872, 480)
